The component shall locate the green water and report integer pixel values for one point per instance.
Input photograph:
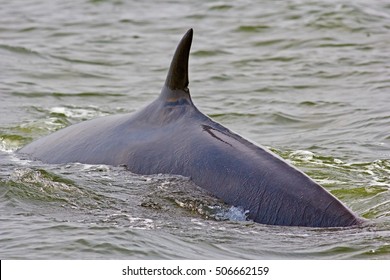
(308, 79)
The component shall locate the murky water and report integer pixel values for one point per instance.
(308, 79)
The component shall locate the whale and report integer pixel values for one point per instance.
(171, 136)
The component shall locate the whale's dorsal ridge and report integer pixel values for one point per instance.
(171, 136)
(177, 78)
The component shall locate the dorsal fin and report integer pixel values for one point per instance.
(177, 78)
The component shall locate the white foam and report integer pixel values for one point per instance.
(9, 146)
(78, 113)
(232, 214)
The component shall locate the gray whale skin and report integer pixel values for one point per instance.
(171, 136)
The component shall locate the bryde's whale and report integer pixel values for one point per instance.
(171, 136)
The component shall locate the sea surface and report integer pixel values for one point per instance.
(310, 80)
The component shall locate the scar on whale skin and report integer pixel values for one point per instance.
(171, 136)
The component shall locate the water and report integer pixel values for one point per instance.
(308, 79)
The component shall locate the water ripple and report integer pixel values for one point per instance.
(310, 80)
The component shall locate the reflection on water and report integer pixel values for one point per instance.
(309, 80)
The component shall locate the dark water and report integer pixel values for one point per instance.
(308, 79)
